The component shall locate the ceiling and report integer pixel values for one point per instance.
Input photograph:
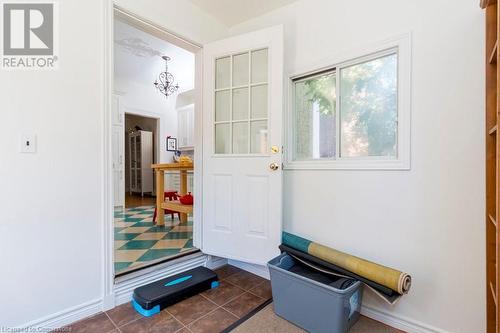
(137, 57)
(231, 12)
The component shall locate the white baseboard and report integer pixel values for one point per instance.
(215, 262)
(63, 318)
(259, 270)
(401, 323)
(122, 293)
(108, 302)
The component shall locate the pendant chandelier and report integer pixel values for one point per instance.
(165, 82)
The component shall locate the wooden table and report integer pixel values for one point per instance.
(176, 206)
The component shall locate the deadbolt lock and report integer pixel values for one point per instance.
(275, 149)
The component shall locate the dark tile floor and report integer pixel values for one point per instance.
(211, 311)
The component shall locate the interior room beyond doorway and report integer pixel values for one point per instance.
(145, 119)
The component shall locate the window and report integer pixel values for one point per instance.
(354, 115)
(369, 108)
(315, 113)
(241, 102)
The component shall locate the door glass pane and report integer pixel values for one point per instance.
(222, 139)
(240, 138)
(240, 70)
(222, 72)
(259, 66)
(314, 117)
(258, 130)
(222, 105)
(369, 108)
(259, 102)
(240, 104)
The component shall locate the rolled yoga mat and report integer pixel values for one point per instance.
(385, 276)
(388, 294)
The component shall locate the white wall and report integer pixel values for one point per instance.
(428, 221)
(51, 252)
(181, 17)
(140, 99)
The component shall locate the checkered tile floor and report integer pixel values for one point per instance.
(139, 242)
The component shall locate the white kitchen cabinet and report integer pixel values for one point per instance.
(173, 181)
(185, 127)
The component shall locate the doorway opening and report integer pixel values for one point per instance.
(141, 150)
(146, 121)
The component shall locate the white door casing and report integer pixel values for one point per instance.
(118, 151)
(242, 136)
(117, 113)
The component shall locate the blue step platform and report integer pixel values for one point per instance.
(150, 299)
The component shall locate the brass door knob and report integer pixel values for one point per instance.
(274, 166)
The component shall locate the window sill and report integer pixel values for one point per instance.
(351, 164)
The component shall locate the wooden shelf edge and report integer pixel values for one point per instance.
(493, 55)
(492, 220)
(493, 130)
(485, 3)
(176, 206)
(173, 166)
(493, 293)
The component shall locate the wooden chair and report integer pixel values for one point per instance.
(171, 196)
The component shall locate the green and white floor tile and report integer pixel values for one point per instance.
(138, 241)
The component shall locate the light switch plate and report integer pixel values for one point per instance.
(28, 143)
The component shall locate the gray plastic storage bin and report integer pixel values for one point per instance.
(312, 305)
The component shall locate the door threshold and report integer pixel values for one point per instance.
(156, 265)
(124, 286)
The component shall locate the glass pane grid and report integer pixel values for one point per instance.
(240, 110)
(239, 121)
(222, 106)
(241, 72)
(259, 71)
(236, 117)
(222, 72)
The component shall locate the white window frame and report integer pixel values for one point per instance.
(400, 45)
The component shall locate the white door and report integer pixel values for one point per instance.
(118, 179)
(242, 134)
(117, 111)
